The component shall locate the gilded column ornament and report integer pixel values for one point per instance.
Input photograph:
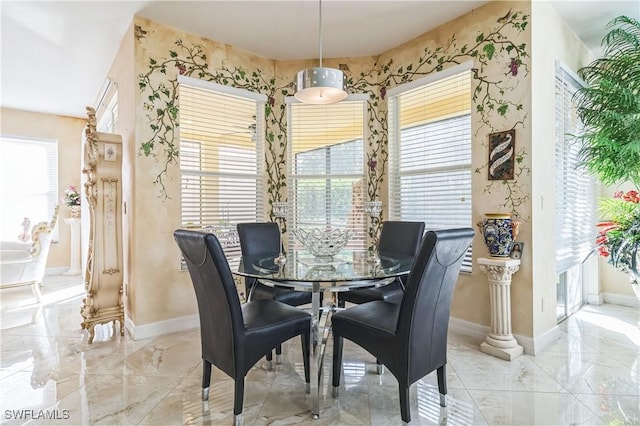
(500, 342)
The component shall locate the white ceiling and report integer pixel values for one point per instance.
(56, 54)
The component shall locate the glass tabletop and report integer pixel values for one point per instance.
(347, 269)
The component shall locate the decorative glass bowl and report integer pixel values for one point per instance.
(322, 244)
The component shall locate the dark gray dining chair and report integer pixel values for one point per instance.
(263, 238)
(396, 238)
(233, 336)
(409, 338)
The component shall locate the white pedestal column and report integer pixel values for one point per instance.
(74, 257)
(500, 342)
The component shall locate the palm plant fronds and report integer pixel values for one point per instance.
(624, 35)
(609, 106)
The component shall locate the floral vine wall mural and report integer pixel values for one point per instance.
(162, 106)
(491, 49)
(488, 97)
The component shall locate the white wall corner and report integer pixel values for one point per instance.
(160, 328)
(621, 299)
(536, 345)
(595, 299)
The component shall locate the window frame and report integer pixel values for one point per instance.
(225, 232)
(567, 176)
(359, 239)
(51, 147)
(395, 142)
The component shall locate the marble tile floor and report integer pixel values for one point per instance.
(590, 375)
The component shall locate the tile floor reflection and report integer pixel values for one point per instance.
(590, 375)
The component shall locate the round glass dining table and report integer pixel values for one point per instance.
(348, 270)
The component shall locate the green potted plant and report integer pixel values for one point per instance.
(609, 108)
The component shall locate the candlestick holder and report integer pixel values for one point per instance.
(280, 213)
(373, 209)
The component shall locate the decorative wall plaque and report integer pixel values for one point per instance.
(502, 154)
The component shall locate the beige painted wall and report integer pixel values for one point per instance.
(122, 73)
(471, 299)
(152, 233)
(548, 30)
(158, 291)
(68, 132)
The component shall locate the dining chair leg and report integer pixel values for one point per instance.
(306, 337)
(405, 411)
(269, 360)
(279, 354)
(442, 385)
(238, 399)
(337, 363)
(206, 379)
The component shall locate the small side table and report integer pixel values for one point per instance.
(74, 259)
(500, 342)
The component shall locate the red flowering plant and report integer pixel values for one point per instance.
(619, 237)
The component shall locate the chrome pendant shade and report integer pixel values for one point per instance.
(320, 85)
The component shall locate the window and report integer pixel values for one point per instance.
(575, 189)
(107, 108)
(327, 185)
(430, 151)
(220, 159)
(109, 121)
(27, 191)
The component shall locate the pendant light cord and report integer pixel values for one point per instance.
(320, 29)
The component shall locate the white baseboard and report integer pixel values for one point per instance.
(621, 299)
(531, 346)
(468, 328)
(154, 329)
(536, 345)
(595, 299)
(58, 270)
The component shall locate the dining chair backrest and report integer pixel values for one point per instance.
(259, 238)
(400, 237)
(423, 320)
(221, 322)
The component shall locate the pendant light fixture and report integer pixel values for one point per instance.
(320, 85)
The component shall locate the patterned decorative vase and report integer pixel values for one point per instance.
(499, 232)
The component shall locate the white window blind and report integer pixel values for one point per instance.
(327, 186)
(575, 189)
(430, 153)
(28, 184)
(221, 159)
